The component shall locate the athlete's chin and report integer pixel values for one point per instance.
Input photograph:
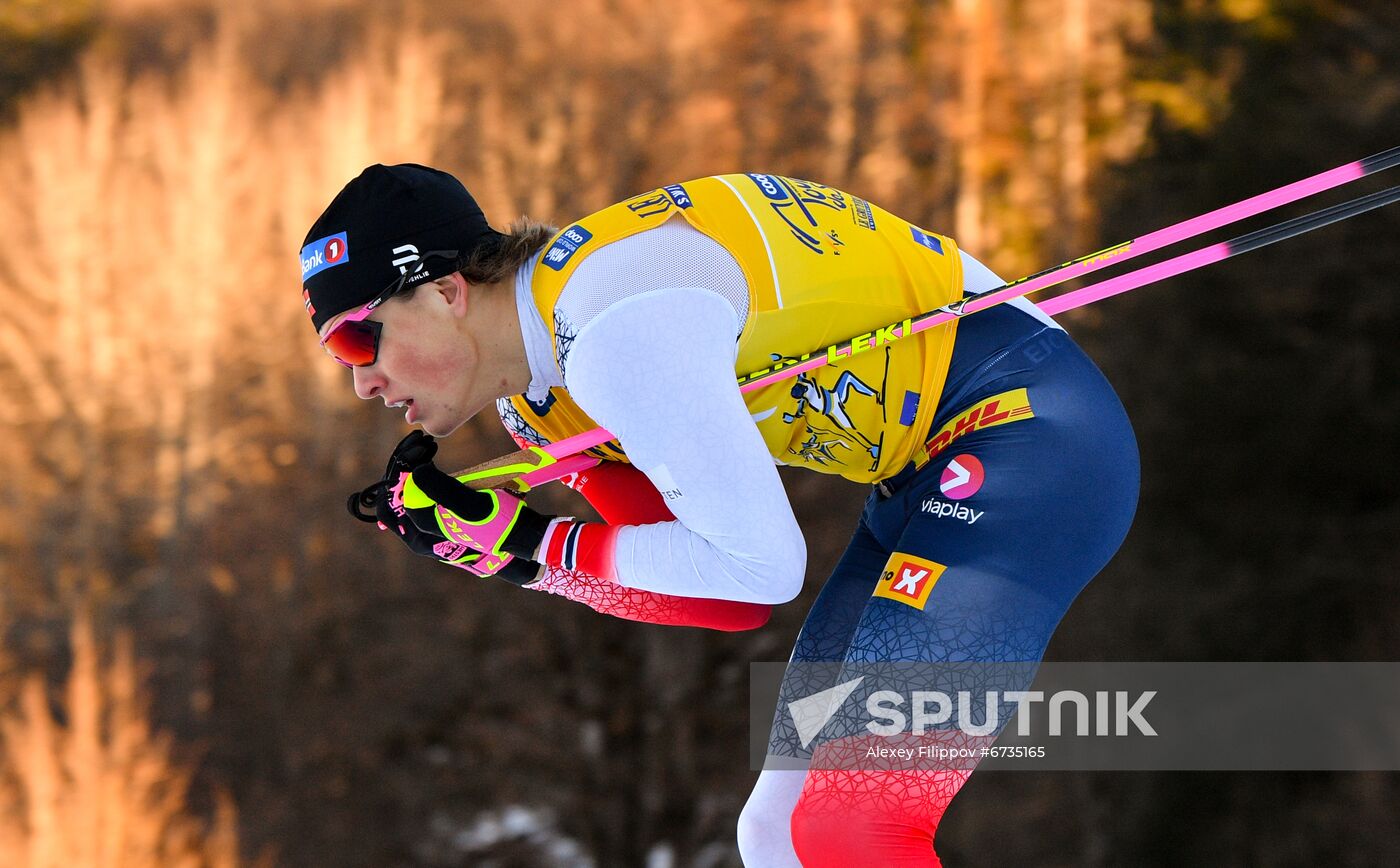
(439, 426)
(435, 429)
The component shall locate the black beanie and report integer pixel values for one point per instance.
(376, 229)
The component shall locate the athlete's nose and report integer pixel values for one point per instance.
(368, 382)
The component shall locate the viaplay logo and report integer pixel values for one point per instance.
(324, 253)
(962, 478)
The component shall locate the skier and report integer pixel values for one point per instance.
(1003, 468)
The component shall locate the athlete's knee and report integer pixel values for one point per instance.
(765, 839)
(754, 834)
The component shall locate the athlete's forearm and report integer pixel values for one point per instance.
(622, 494)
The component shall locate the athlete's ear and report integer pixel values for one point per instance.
(455, 291)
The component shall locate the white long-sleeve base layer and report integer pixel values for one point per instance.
(655, 319)
(735, 536)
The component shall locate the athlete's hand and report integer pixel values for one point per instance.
(424, 537)
(493, 522)
(394, 517)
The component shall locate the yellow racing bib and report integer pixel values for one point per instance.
(822, 266)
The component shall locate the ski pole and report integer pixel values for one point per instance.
(1218, 252)
(1088, 264)
(540, 464)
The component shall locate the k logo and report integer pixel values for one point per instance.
(909, 579)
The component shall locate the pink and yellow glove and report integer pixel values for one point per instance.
(416, 525)
(435, 513)
(499, 524)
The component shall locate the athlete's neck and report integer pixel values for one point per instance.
(499, 334)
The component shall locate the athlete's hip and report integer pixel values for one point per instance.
(1020, 386)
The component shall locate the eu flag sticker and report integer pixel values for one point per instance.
(927, 240)
(911, 408)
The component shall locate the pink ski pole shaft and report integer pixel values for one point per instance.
(1061, 273)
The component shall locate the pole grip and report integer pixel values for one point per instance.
(506, 472)
(518, 472)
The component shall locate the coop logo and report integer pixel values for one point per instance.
(770, 186)
(324, 253)
(1012, 406)
(962, 477)
(679, 196)
(565, 246)
(908, 579)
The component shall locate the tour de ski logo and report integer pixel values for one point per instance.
(962, 478)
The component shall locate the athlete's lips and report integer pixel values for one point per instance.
(409, 416)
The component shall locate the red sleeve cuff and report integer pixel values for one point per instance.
(589, 547)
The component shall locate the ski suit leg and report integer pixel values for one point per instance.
(1015, 519)
(764, 833)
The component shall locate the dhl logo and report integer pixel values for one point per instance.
(908, 579)
(1011, 406)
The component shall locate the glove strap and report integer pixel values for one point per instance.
(367, 499)
(517, 571)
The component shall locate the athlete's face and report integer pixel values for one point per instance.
(428, 362)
